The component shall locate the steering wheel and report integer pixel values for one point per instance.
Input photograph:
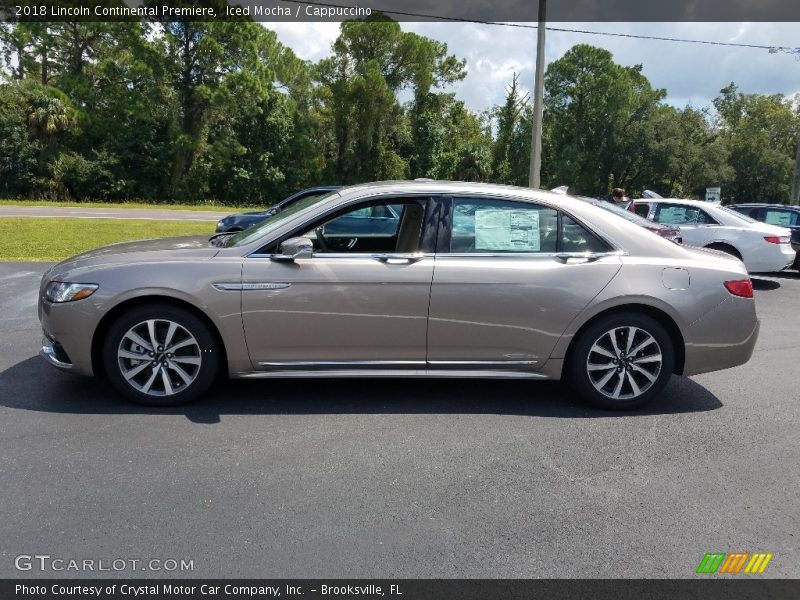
(323, 243)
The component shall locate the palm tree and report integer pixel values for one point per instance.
(47, 118)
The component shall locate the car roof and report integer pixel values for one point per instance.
(686, 201)
(763, 205)
(456, 187)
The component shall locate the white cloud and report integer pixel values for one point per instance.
(310, 41)
(691, 73)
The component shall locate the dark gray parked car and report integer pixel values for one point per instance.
(776, 214)
(241, 221)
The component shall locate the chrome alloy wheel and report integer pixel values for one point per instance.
(624, 362)
(159, 357)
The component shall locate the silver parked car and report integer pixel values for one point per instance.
(763, 248)
(471, 280)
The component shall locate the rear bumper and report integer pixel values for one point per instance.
(723, 338)
(780, 257)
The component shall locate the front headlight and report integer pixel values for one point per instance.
(61, 291)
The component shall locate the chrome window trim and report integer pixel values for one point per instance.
(532, 254)
(421, 255)
(331, 210)
(432, 194)
(371, 255)
(545, 203)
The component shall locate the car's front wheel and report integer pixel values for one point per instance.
(621, 361)
(160, 355)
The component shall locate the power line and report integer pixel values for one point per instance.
(771, 48)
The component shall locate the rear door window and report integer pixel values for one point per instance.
(777, 216)
(498, 226)
(488, 225)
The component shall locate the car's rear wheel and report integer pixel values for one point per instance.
(726, 249)
(621, 361)
(160, 355)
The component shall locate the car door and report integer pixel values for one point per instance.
(695, 223)
(509, 277)
(345, 307)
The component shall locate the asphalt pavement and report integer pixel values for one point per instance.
(401, 478)
(147, 214)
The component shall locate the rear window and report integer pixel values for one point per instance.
(784, 218)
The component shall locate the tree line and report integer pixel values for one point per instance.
(197, 111)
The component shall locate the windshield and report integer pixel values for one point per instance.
(625, 214)
(253, 233)
(736, 214)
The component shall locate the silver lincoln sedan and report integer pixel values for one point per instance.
(441, 280)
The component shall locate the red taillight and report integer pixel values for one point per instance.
(774, 239)
(741, 287)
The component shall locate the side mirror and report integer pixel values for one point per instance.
(294, 248)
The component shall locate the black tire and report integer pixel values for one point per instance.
(726, 249)
(206, 348)
(577, 369)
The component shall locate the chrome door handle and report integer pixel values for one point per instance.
(576, 258)
(398, 259)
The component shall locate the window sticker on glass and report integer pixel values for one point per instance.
(672, 214)
(509, 230)
(778, 217)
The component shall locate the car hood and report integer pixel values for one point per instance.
(176, 248)
(255, 213)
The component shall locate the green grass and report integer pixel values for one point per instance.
(208, 206)
(31, 239)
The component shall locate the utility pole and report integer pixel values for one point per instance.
(795, 197)
(534, 176)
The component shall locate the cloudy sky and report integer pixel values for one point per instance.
(692, 74)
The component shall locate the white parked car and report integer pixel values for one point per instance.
(763, 248)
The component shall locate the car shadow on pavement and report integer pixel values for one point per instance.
(788, 275)
(33, 385)
(764, 285)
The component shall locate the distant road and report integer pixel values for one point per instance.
(151, 214)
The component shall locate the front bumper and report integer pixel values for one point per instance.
(54, 354)
(68, 330)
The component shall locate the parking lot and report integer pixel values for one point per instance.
(402, 478)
